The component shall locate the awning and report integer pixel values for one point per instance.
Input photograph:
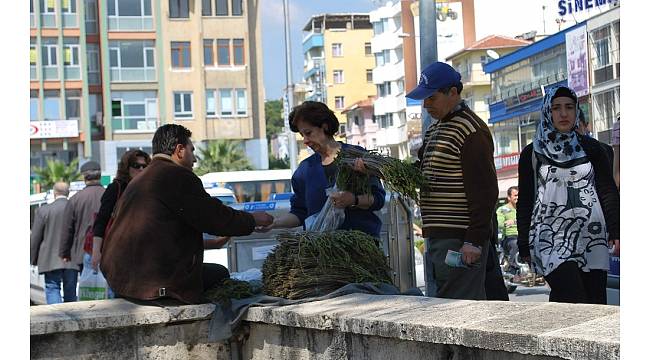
(504, 184)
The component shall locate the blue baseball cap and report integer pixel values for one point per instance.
(436, 76)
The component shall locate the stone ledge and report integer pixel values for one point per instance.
(109, 314)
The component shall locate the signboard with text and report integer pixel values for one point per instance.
(523, 97)
(576, 60)
(506, 162)
(53, 129)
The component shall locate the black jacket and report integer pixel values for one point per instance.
(109, 199)
(606, 189)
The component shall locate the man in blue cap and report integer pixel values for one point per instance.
(460, 198)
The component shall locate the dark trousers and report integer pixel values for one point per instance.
(495, 288)
(213, 275)
(569, 284)
(511, 249)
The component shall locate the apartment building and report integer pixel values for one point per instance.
(469, 63)
(338, 61)
(361, 124)
(393, 47)
(133, 65)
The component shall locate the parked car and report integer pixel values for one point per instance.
(280, 196)
(226, 196)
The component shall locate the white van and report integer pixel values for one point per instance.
(226, 196)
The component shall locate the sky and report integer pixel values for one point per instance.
(510, 18)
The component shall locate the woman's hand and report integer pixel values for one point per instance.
(267, 228)
(359, 166)
(342, 199)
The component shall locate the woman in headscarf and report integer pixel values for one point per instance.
(568, 208)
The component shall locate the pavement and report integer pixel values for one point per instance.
(530, 294)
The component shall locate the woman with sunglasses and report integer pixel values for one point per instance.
(132, 163)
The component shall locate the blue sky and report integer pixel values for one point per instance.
(300, 11)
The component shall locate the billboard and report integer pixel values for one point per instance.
(53, 129)
(576, 60)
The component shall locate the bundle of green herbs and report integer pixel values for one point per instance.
(229, 289)
(399, 176)
(308, 264)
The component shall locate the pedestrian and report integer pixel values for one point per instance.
(44, 249)
(79, 216)
(568, 207)
(507, 220)
(583, 129)
(317, 124)
(154, 248)
(459, 199)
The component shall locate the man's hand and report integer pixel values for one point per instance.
(95, 259)
(509, 222)
(262, 218)
(470, 254)
(617, 247)
(342, 199)
(65, 259)
(267, 228)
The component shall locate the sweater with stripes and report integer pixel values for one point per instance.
(461, 194)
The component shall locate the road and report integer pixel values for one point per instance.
(530, 294)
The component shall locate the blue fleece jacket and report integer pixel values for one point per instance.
(309, 183)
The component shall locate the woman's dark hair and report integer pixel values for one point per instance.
(127, 160)
(316, 114)
(168, 136)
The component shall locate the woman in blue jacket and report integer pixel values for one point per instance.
(317, 124)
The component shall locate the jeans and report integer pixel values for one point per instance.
(510, 247)
(53, 281)
(87, 263)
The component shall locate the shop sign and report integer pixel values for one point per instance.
(53, 129)
(576, 60)
(575, 6)
(506, 162)
(523, 98)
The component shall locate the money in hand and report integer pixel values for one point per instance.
(454, 259)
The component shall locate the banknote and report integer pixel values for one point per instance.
(455, 259)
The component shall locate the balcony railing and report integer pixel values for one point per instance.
(130, 23)
(72, 72)
(133, 74)
(126, 124)
(475, 76)
(50, 73)
(70, 21)
(94, 78)
(33, 75)
(32, 20)
(48, 20)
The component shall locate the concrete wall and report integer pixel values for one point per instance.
(355, 326)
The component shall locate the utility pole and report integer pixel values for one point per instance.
(293, 150)
(428, 45)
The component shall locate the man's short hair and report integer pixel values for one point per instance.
(168, 136)
(458, 86)
(581, 117)
(512, 188)
(61, 188)
(91, 175)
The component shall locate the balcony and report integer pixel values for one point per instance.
(389, 104)
(50, 73)
(32, 20)
(388, 72)
(130, 23)
(72, 73)
(70, 21)
(386, 41)
(475, 78)
(132, 74)
(392, 136)
(311, 41)
(48, 20)
(134, 124)
(33, 75)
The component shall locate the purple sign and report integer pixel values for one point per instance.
(576, 60)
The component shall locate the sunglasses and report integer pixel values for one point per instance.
(138, 166)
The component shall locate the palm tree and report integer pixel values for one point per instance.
(222, 155)
(57, 170)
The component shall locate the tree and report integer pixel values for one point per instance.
(276, 164)
(274, 120)
(57, 170)
(222, 155)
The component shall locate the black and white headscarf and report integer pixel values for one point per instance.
(549, 142)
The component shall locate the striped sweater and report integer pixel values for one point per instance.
(457, 160)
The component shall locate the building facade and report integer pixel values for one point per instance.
(361, 124)
(133, 65)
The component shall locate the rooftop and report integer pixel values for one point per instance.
(349, 21)
(492, 42)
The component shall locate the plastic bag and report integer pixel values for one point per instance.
(328, 218)
(92, 285)
(248, 275)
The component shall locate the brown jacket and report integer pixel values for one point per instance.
(156, 240)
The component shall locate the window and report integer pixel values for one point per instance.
(601, 40)
(92, 51)
(226, 102)
(379, 59)
(377, 27)
(208, 52)
(206, 9)
(221, 7)
(400, 86)
(387, 56)
(337, 49)
(237, 8)
(223, 51)
(71, 54)
(72, 104)
(69, 6)
(383, 89)
(49, 54)
(133, 111)
(338, 76)
(369, 75)
(129, 7)
(238, 51)
(132, 60)
(181, 54)
(47, 7)
(90, 15)
(368, 49)
(51, 105)
(210, 102)
(33, 105)
(183, 105)
(242, 105)
(339, 102)
(179, 9)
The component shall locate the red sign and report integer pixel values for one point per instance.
(506, 162)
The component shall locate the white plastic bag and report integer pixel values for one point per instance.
(92, 285)
(248, 275)
(328, 218)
